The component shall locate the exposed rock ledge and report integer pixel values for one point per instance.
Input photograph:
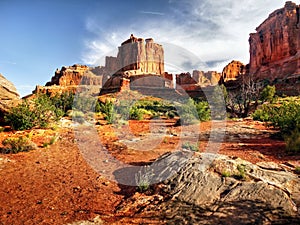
(200, 193)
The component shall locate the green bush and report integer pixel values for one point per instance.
(261, 114)
(63, 101)
(19, 144)
(45, 111)
(188, 113)
(285, 116)
(38, 113)
(136, 113)
(108, 109)
(21, 117)
(268, 94)
(203, 111)
(191, 112)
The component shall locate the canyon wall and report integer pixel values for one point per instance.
(275, 47)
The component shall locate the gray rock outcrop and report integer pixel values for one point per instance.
(217, 189)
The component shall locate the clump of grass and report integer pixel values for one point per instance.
(143, 178)
(190, 146)
(226, 174)
(242, 172)
(51, 141)
(18, 144)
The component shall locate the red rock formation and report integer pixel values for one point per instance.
(67, 79)
(233, 70)
(275, 47)
(74, 75)
(135, 57)
(206, 78)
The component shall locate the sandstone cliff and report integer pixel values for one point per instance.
(275, 47)
(8, 95)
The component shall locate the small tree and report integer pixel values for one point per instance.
(244, 100)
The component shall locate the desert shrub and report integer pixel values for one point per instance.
(190, 146)
(136, 113)
(38, 113)
(45, 111)
(203, 111)
(293, 141)
(123, 109)
(19, 144)
(21, 117)
(108, 109)
(261, 114)
(191, 112)
(285, 116)
(187, 112)
(63, 101)
(268, 94)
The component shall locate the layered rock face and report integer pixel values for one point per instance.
(67, 79)
(233, 70)
(8, 95)
(199, 78)
(74, 75)
(275, 47)
(136, 57)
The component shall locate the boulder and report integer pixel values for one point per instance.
(8, 95)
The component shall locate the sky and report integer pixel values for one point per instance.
(39, 36)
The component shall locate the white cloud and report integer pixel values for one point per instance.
(152, 13)
(211, 30)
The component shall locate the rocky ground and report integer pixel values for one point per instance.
(57, 184)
